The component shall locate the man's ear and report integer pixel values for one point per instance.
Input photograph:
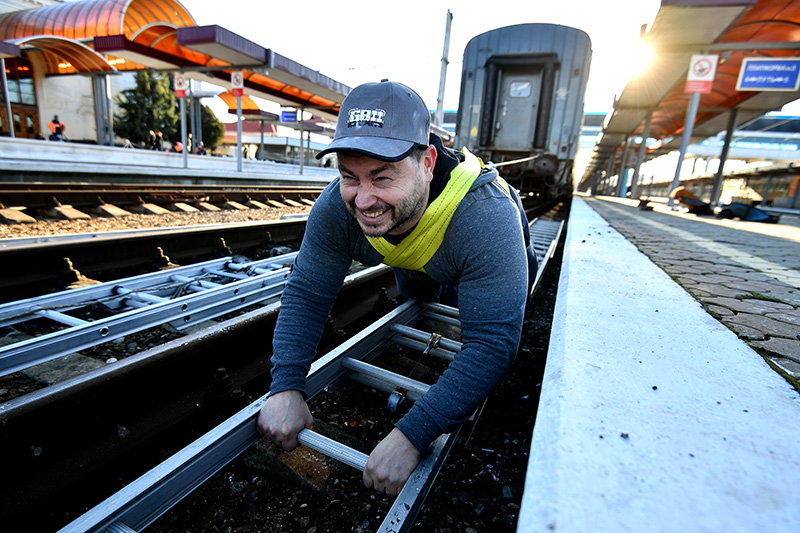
(428, 161)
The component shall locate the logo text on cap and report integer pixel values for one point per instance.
(365, 117)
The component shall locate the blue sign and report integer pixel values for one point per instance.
(769, 74)
(289, 116)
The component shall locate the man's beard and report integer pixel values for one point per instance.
(402, 213)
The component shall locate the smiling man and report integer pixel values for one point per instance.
(453, 231)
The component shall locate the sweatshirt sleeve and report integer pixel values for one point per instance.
(485, 245)
(317, 275)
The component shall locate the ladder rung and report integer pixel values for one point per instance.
(333, 449)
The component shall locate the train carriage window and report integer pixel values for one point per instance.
(520, 89)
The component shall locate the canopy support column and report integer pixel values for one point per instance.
(104, 121)
(718, 177)
(688, 127)
(640, 155)
(622, 181)
(6, 98)
(302, 136)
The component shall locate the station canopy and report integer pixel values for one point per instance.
(733, 29)
(106, 36)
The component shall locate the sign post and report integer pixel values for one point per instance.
(699, 79)
(181, 84)
(237, 89)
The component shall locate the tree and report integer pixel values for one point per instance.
(149, 105)
(152, 105)
(213, 128)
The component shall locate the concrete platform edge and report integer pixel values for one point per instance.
(653, 415)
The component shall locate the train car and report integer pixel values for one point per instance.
(521, 103)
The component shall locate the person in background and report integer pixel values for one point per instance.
(57, 129)
(443, 221)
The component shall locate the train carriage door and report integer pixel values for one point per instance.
(517, 108)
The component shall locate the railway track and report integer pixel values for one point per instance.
(20, 416)
(54, 262)
(36, 199)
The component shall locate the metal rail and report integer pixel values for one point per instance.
(181, 297)
(545, 235)
(79, 195)
(148, 497)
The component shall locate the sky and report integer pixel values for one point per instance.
(359, 41)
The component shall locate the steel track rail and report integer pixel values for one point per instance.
(79, 195)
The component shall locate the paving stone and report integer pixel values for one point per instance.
(752, 286)
(764, 324)
(787, 365)
(745, 332)
(790, 316)
(787, 348)
(713, 278)
(697, 293)
(749, 305)
(722, 311)
(719, 290)
(788, 297)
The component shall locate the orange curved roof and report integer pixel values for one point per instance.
(133, 31)
(86, 19)
(63, 56)
(766, 22)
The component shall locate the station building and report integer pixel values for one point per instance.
(69, 59)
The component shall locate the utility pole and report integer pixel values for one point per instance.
(438, 118)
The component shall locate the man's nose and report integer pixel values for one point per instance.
(365, 196)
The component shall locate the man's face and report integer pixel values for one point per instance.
(386, 198)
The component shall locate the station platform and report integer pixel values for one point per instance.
(27, 160)
(668, 401)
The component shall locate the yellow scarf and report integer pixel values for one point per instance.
(414, 252)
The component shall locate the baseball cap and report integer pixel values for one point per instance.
(384, 120)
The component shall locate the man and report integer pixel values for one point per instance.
(440, 220)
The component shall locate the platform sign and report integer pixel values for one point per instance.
(181, 85)
(769, 74)
(702, 69)
(237, 83)
(288, 115)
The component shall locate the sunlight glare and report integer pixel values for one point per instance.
(640, 58)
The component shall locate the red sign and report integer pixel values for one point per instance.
(237, 83)
(180, 85)
(702, 70)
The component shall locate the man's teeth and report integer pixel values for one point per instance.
(373, 214)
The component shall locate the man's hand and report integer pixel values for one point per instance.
(282, 417)
(391, 463)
